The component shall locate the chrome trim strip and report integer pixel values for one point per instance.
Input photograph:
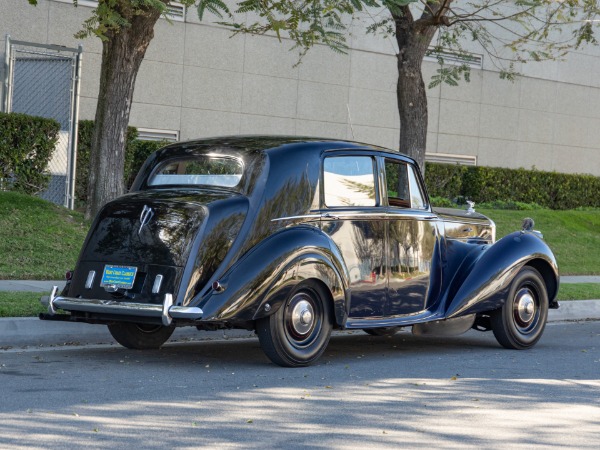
(166, 311)
(306, 216)
(90, 279)
(157, 283)
(166, 319)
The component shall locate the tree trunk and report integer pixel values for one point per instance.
(413, 41)
(122, 54)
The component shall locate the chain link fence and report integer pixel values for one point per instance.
(43, 80)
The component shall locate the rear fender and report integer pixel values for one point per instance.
(270, 271)
(491, 272)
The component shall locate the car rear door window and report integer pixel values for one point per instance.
(349, 181)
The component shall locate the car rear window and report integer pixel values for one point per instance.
(199, 170)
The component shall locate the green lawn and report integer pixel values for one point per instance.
(573, 236)
(38, 240)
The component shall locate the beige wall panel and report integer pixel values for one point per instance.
(269, 96)
(456, 144)
(253, 124)
(158, 83)
(213, 48)
(497, 153)
(576, 160)
(538, 94)
(64, 21)
(266, 55)
(374, 71)
(531, 155)
(432, 141)
(212, 89)
(385, 137)
(90, 74)
(319, 101)
(429, 69)
(374, 108)
(360, 40)
(466, 92)
(433, 114)
(536, 126)
(155, 116)
(459, 118)
(594, 100)
(198, 123)
(495, 91)
(499, 122)
(593, 136)
(24, 22)
(321, 64)
(573, 99)
(208, 17)
(576, 69)
(322, 129)
(571, 131)
(168, 42)
(546, 70)
(87, 108)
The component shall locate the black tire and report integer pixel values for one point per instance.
(520, 322)
(298, 333)
(140, 336)
(383, 331)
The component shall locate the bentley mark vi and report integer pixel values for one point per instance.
(293, 237)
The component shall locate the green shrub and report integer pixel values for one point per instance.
(84, 144)
(26, 146)
(517, 186)
(136, 152)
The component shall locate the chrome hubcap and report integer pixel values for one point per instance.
(525, 306)
(302, 317)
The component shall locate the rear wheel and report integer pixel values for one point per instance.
(520, 322)
(140, 336)
(383, 331)
(298, 333)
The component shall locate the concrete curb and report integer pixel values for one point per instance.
(30, 331)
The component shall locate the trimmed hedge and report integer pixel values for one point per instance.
(26, 147)
(488, 184)
(136, 152)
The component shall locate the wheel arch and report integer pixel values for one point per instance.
(551, 280)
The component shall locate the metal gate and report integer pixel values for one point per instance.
(43, 80)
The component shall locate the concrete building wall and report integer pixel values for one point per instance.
(198, 80)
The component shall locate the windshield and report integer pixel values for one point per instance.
(198, 170)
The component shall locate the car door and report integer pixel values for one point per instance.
(353, 217)
(412, 247)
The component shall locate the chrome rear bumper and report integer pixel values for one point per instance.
(167, 311)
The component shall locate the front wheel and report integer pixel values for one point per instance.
(298, 333)
(520, 322)
(140, 336)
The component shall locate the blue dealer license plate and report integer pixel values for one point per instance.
(118, 276)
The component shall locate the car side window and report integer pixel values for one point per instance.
(349, 181)
(396, 175)
(417, 199)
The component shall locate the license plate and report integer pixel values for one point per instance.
(118, 276)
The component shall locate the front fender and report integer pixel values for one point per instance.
(490, 274)
(268, 272)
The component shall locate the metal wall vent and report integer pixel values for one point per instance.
(473, 60)
(176, 9)
(151, 134)
(448, 158)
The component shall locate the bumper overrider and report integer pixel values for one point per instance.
(167, 311)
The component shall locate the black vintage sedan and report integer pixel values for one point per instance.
(293, 237)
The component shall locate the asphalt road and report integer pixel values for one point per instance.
(404, 391)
